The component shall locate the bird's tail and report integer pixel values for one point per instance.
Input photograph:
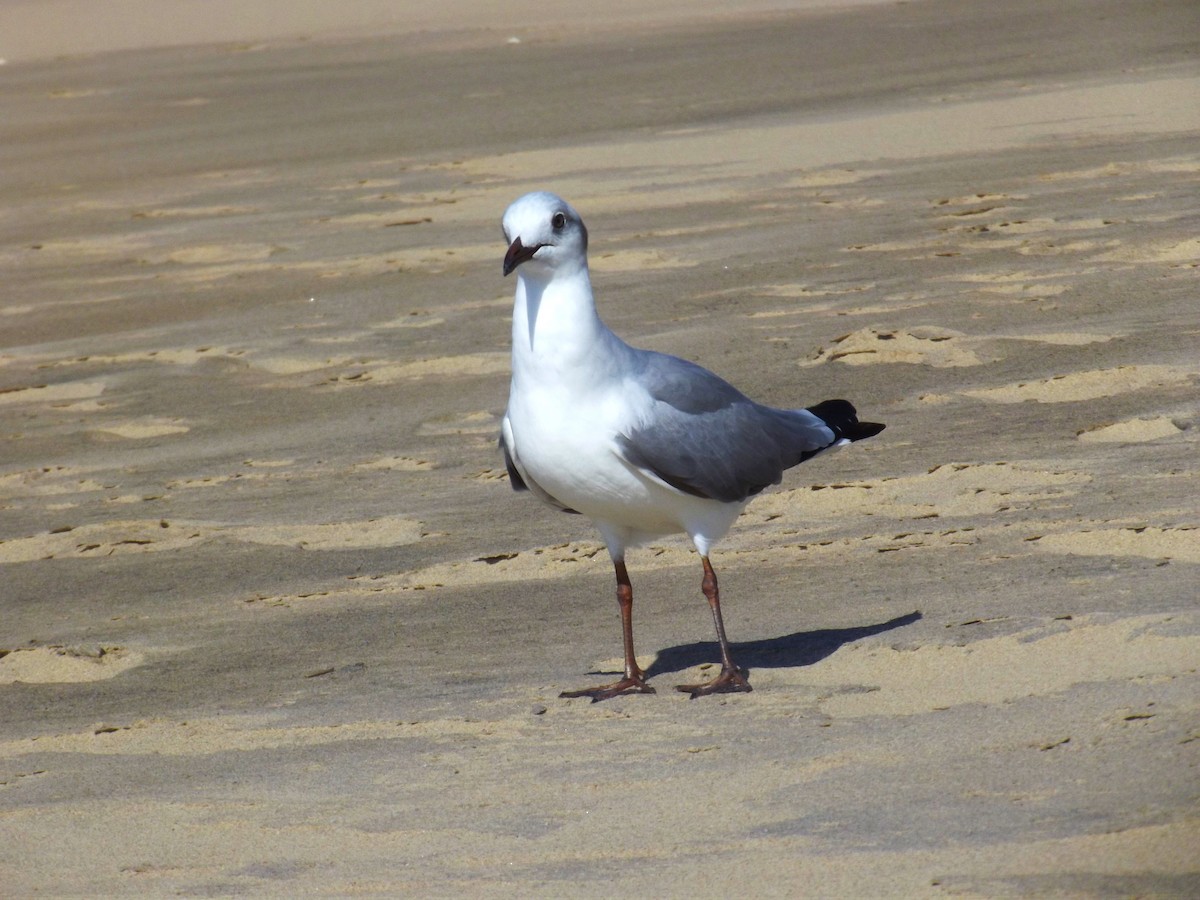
(842, 419)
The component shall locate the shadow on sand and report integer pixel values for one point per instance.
(801, 648)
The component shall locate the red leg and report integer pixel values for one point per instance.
(634, 681)
(731, 679)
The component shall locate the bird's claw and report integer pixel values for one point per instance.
(730, 681)
(627, 685)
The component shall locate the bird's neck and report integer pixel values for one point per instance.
(557, 334)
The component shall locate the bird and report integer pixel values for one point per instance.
(641, 443)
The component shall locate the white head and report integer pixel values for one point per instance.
(545, 234)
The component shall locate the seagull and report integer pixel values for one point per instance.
(642, 443)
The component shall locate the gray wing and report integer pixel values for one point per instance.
(706, 438)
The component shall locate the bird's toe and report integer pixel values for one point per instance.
(627, 685)
(730, 681)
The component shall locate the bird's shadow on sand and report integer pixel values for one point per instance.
(801, 648)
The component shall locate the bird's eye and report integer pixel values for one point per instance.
(559, 221)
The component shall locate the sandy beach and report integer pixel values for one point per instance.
(272, 621)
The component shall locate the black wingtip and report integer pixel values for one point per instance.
(514, 477)
(862, 430)
(841, 416)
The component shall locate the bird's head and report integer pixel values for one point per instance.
(544, 232)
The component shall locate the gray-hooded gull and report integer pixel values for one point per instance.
(642, 443)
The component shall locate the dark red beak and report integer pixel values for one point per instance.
(517, 254)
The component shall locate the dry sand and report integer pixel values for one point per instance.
(272, 621)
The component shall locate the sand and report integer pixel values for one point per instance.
(272, 621)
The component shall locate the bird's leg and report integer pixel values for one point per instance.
(634, 681)
(732, 679)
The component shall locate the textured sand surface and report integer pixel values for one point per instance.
(272, 621)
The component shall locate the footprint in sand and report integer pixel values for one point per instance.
(938, 347)
(109, 247)
(1062, 338)
(387, 531)
(1026, 293)
(48, 481)
(1078, 386)
(1175, 253)
(51, 393)
(470, 364)
(1131, 431)
(101, 540)
(211, 254)
(57, 664)
(193, 212)
(414, 319)
(795, 290)
(142, 430)
(825, 178)
(982, 202)
(279, 364)
(536, 564)
(478, 422)
(1149, 542)
(1087, 385)
(540, 563)
(395, 464)
(182, 356)
(953, 489)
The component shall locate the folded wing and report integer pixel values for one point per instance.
(704, 437)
